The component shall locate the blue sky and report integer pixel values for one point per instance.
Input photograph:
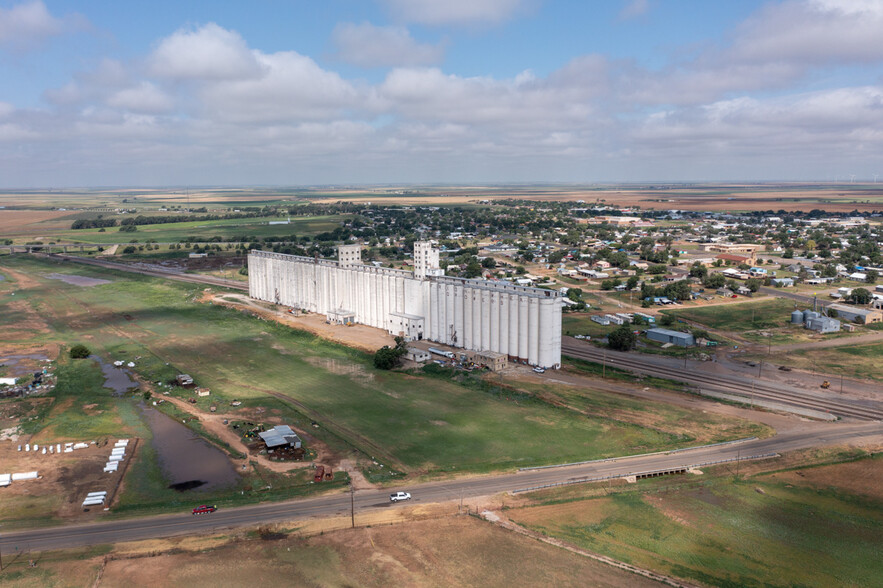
(420, 91)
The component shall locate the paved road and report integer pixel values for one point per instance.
(339, 504)
(802, 298)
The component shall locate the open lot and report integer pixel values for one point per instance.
(808, 527)
(453, 551)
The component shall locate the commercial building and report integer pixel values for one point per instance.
(668, 336)
(520, 322)
(864, 316)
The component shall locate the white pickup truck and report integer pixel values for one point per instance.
(396, 496)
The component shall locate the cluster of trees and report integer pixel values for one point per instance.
(93, 223)
(387, 358)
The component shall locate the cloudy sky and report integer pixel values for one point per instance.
(288, 92)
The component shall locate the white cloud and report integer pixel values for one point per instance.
(367, 45)
(816, 32)
(455, 12)
(634, 9)
(290, 87)
(143, 98)
(25, 25)
(6, 109)
(207, 53)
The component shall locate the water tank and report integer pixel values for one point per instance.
(797, 317)
(810, 314)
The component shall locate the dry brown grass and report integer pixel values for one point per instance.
(23, 222)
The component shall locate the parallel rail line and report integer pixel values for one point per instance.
(761, 390)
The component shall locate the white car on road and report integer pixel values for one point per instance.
(396, 496)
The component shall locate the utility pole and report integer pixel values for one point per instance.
(841, 381)
(760, 369)
(352, 505)
(604, 364)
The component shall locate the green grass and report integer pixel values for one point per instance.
(721, 532)
(226, 228)
(411, 423)
(741, 316)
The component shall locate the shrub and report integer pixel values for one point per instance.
(79, 351)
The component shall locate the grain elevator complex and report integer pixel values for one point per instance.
(481, 315)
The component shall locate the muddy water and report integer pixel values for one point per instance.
(116, 378)
(21, 364)
(187, 461)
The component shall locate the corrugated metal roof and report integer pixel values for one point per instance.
(279, 435)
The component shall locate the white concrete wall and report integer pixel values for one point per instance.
(524, 323)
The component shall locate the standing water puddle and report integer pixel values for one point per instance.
(116, 378)
(187, 461)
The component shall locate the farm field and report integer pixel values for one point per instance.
(818, 526)
(853, 361)
(411, 422)
(202, 230)
(453, 551)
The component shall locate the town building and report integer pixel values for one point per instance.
(856, 314)
(668, 336)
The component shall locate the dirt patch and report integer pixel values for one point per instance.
(21, 222)
(341, 367)
(454, 551)
(75, 280)
(357, 336)
(863, 477)
(581, 513)
(65, 479)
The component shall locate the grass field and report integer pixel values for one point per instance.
(853, 361)
(205, 230)
(765, 314)
(811, 528)
(413, 423)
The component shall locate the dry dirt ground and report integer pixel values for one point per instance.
(359, 336)
(453, 551)
(64, 480)
(24, 222)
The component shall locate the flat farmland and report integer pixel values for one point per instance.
(31, 222)
(417, 423)
(205, 230)
(810, 527)
(453, 551)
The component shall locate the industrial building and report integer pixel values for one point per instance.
(864, 316)
(520, 322)
(668, 336)
(815, 321)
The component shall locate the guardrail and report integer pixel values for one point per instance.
(642, 474)
(609, 459)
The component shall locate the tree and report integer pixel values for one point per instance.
(860, 296)
(666, 320)
(714, 281)
(575, 294)
(489, 263)
(872, 276)
(753, 284)
(622, 338)
(386, 358)
(79, 351)
(473, 269)
(632, 283)
(697, 270)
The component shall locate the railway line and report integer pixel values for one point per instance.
(759, 389)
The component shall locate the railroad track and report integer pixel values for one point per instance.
(180, 277)
(781, 394)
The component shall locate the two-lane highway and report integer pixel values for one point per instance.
(113, 531)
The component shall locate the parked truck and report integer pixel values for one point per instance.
(441, 352)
